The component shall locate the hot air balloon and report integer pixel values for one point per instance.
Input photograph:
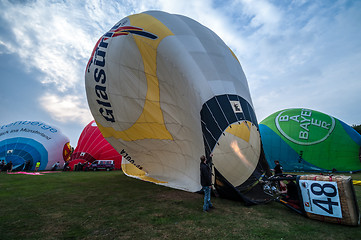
(308, 140)
(26, 142)
(93, 146)
(165, 90)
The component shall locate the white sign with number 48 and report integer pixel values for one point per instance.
(320, 197)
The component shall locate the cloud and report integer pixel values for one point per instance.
(56, 38)
(263, 14)
(68, 108)
(50, 38)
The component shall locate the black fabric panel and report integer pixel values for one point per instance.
(217, 114)
(209, 141)
(227, 108)
(214, 105)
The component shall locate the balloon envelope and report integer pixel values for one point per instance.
(26, 142)
(165, 90)
(308, 140)
(93, 146)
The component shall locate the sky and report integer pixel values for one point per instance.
(295, 54)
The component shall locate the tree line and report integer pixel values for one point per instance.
(357, 128)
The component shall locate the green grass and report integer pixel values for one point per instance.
(109, 205)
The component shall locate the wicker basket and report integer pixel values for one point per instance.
(349, 208)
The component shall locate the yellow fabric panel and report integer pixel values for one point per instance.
(150, 124)
(234, 55)
(132, 170)
(240, 130)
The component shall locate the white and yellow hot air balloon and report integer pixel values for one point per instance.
(165, 90)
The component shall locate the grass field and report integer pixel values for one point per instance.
(109, 205)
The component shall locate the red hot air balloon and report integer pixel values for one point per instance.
(93, 146)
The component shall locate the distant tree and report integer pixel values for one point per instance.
(357, 128)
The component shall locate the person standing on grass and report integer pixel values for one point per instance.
(278, 168)
(27, 165)
(55, 166)
(2, 165)
(9, 167)
(206, 182)
(37, 165)
(278, 171)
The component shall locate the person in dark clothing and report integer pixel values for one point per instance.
(278, 168)
(9, 166)
(206, 182)
(27, 165)
(66, 166)
(292, 192)
(2, 165)
(55, 166)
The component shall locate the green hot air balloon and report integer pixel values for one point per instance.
(308, 140)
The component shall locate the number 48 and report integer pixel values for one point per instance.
(320, 203)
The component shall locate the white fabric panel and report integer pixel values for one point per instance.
(235, 158)
(216, 64)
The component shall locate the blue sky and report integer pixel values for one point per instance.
(294, 53)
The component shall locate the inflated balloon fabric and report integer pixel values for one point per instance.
(165, 90)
